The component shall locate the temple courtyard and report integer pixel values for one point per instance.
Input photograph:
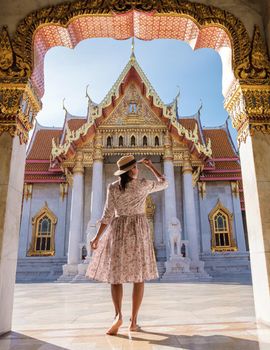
(203, 316)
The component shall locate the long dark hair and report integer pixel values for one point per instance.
(124, 180)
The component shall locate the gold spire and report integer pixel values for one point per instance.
(132, 55)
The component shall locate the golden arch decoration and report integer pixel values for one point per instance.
(43, 240)
(21, 64)
(221, 223)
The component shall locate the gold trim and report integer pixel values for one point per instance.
(45, 211)
(219, 208)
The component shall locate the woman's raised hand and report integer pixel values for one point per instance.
(147, 162)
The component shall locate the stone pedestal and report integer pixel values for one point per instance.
(12, 160)
(181, 269)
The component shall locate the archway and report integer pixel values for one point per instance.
(246, 88)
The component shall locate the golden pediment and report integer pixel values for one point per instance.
(132, 110)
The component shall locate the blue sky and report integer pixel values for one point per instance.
(167, 63)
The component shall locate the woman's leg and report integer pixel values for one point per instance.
(137, 296)
(117, 295)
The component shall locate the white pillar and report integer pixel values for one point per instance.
(12, 160)
(238, 223)
(190, 212)
(170, 200)
(96, 193)
(76, 215)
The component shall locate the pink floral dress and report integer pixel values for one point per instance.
(125, 251)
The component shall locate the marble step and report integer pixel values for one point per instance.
(161, 268)
(185, 276)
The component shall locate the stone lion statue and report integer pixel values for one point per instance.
(175, 231)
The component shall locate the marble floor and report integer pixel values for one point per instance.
(201, 316)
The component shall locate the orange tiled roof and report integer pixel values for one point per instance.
(220, 142)
(38, 159)
(76, 123)
(42, 144)
(37, 166)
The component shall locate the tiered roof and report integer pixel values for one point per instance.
(51, 145)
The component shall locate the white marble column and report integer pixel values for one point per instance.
(169, 193)
(76, 218)
(190, 212)
(255, 160)
(12, 160)
(238, 223)
(170, 200)
(96, 193)
(96, 201)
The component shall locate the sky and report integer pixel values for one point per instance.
(169, 64)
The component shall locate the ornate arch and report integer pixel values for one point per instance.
(62, 15)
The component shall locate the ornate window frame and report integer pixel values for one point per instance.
(219, 208)
(43, 212)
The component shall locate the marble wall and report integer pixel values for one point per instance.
(50, 193)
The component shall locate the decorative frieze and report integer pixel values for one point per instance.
(248, 100)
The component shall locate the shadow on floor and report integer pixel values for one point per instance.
(14, 340)
(194, 342)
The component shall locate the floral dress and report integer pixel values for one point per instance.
(125, 251)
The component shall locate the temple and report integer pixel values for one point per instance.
(197, 224)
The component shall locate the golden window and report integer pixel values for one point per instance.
(43, 242)
(132, 140)
(121, 141)
(221, 226)
(145, 141)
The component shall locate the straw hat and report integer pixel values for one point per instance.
(124, 164)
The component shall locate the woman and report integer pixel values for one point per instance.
(125, 252)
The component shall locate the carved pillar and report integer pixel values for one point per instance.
(19, 105)
(248, 103)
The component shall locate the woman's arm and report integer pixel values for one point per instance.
(108, 213)
(94, 241)
(148, 163)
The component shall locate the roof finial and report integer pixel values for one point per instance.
(64, 107)
(86, 93)
(132, 55)
(201, 105)
(178, 93)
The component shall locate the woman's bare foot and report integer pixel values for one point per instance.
(133, 327)
(117, 323)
